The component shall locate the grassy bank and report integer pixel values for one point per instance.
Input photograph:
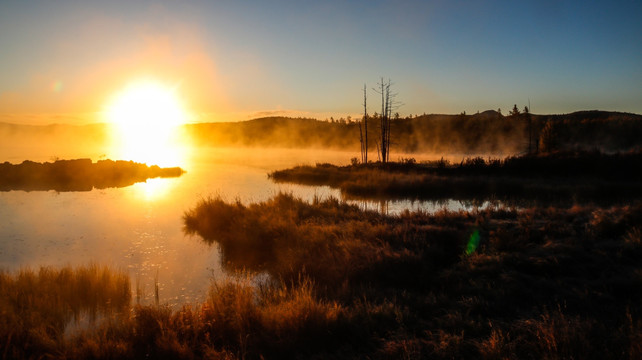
(557, 178)
(345, 283)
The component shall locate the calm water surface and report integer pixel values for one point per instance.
(139, 228)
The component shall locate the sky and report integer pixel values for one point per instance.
(61, 61)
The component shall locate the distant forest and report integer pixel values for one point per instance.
(486, 132)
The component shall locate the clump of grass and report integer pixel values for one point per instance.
(329, 241)
(271, 320)
(38, 305)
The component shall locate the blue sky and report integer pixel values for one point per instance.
(232, 60)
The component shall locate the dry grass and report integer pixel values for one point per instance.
(542, 283)
(406, 282)
(238, 320)
(37, 306)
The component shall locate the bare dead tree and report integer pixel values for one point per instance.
(388, 104)
(383, 89)
(364, 120)
(386, 123)
(361, 141)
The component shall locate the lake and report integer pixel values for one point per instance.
(139, 228)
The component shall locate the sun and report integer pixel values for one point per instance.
(145, 116)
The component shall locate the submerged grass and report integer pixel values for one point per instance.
(347, 283)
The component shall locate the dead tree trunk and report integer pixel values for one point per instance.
(361, 139)
(382, 122)
(364, 144)
(388, 120)
(384, 90)
(387, 105)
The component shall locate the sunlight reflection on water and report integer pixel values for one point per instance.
(156, 189)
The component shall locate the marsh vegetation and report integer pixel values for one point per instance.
(561, 178)
(347, 283)
(493, 283)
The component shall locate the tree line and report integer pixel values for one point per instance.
(485, 132)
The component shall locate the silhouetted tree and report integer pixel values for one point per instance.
(515, 111)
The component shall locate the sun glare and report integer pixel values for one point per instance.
(145, 117)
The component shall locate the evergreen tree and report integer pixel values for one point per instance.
(515, 111)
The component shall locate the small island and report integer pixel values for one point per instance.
(78, 174)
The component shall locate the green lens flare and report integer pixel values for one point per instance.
(473, 242)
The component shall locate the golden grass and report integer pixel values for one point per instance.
(544, 283)
(238, 320)
(38, 305)
(336, 245)
(406, 288)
